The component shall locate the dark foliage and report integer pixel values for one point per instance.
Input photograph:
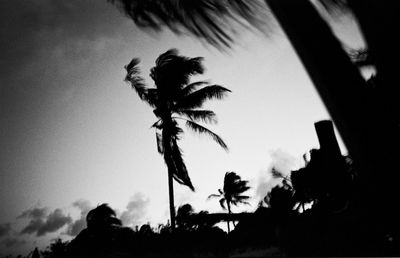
(211, 20)
(316, 213)
(57, 249)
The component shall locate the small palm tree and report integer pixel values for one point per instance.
(232, 192)
(176, 99)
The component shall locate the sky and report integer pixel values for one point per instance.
(74, 135)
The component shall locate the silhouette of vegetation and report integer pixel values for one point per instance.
(315, 208)
(174, 99)
(311, 212)
(231, 193)
(113, 240)
(56, 249)
(366, 118)
(183, 217)
(104, 236)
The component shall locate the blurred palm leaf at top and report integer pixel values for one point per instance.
(214, 21)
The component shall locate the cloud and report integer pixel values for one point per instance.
(283, 162)
(34, 213)
(135, 210)
(76, 227)
(31, 28)
(13, 241)
(5, 229)
(40, 223)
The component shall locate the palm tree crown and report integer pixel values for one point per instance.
(175, 99)
(232, 192)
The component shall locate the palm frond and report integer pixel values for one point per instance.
(157, 125)
(151, 96)
(241, 187)
(201, 129)
(180, 172)
(334, 6)
(222, 203)
(236, 202)
(234, 186)
(197, 98)
(241, 198)
(191, 87)
(213, 196)
(206, 116)
(159, 140)
(174, 70)
(133, 77)
(214, 21)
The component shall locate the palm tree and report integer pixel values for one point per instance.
(232, 192)
(175, 99)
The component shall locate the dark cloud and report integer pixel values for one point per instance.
(75, 227)
(283, 162)
(40, 223)
(34, 213)
(13, 241)
(31, 28)
(135, 210)
(5, 229)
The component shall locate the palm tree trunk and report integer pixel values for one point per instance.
(168, 160)
(171, 199)
(229, 212)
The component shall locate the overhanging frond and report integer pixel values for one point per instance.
(335, 6)
(215, 21)
(201, 129)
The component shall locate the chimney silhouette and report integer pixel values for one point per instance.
(327, 139)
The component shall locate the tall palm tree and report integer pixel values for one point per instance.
(232, 192)
(175, 99)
